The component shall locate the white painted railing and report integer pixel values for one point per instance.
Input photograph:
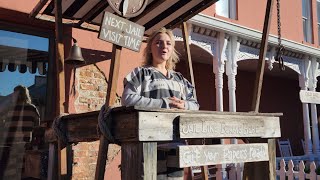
(287, 172)
(284, 172)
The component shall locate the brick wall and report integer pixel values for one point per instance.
(91, 86)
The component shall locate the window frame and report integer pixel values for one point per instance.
(232, 9)
(318, 20)
(307, 21)
(50, 90)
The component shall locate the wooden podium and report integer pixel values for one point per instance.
(139, 130)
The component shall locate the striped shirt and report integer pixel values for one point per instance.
(147, 87)
(19, 123)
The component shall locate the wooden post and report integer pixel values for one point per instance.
(257, 170)
(55, 158)
(139, 161)
(262, 56)
(190, 76)
(110, 100)
(185, 35)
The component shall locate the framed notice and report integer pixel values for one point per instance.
(120, 31)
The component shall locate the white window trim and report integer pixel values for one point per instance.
(232, 9)
(308, 22)
(318, 21)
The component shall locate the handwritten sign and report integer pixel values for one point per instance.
(121, 32)
(199, 155)
(309, 97)
(203, 126)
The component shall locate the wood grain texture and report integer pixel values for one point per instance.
(139, 161)
(210, 125)
(199, 155)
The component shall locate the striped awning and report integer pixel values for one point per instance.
(23, 60)
(87, 14)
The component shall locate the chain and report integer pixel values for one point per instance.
(280, 49)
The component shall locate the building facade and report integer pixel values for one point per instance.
(224, 42)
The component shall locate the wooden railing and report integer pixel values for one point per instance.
(287, 172)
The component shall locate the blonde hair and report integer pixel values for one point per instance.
(23, 94)
(173, 59)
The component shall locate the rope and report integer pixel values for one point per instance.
(58, 129)
(104, 120)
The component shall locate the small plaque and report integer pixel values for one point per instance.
(200, 155)
(310, 97)
(120, 31)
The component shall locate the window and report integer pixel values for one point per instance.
(227, 8)
(318, 19)
(23, 61)
(306, 19)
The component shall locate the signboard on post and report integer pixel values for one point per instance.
(199, 155)
(120, 31)
(309, 97)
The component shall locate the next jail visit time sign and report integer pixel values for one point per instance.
(120, 31)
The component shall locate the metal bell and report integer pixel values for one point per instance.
(75, 55)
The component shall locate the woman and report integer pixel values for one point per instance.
(157, 85)
(19, 123)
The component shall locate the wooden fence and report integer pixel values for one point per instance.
(287, 172)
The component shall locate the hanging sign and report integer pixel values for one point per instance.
(120, 31)
(309, 97)
(200, 155)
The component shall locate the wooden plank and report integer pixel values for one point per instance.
(121, 32)
(110, 100)
(90, 13)
(228, 126)
(160, 126)
(156, 126)
(172, 16)
(272, 158)
(262, 56)
(60, 87)
(52, 162)
(309, 97)
(138, 161)
(82, 127)
(37, 8)
(199, 155)
(250, 170)
(190, 75)
(177, 111)
(149, 160)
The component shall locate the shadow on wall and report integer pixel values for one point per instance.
(93, 56)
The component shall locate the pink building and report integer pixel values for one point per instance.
(225, 41)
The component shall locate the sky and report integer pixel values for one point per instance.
(8, 80)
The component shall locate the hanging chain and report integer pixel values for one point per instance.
(280, 48)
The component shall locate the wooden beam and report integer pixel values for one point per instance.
(110, 100)
(139, 161)
(37, 8)
(60, 84)
(96, 8)
(190, 75)
(259, 170)
(262, 57)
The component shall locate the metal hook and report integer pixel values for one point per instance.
(279, 57)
